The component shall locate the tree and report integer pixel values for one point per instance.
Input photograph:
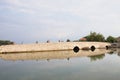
(93, 36)
(68, 40)
(5, 42)
(111, 39)
(100, 37)
(36, 42)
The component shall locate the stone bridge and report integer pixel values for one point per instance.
(58, 46)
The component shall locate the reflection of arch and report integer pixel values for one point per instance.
(76, 49)
(107, 47)
(92, 48)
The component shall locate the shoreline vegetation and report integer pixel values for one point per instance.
(92, 37)
(6, 42)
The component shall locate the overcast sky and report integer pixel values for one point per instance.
(41, 20)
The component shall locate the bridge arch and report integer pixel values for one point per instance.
(76, 49)
(92, 48)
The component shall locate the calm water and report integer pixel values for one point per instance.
(62, 65)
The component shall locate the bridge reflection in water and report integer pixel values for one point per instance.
(54, 55)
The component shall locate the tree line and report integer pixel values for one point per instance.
(98, 37)
(93, 36)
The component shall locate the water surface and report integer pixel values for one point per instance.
(61, 65)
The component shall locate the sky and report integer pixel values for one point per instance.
(28, 21)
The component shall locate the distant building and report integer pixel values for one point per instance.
(83, 39)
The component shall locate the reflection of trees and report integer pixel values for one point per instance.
(68, 58)
(111, 52)
(48, 60)
(118, 52)
(97, 57)
(115, 51)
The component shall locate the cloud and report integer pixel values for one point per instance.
(59, 19)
